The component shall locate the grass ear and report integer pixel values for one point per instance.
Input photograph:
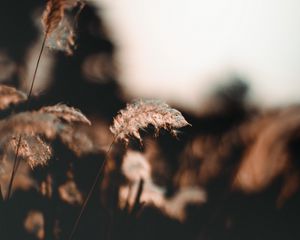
(59, 27)
(140, 114)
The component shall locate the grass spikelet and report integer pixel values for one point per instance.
(30, 123)
(63, 37)
(68, 114)
(58, 29)
(10, 95)
(32, 149)
(49, 123)
(54, 13)
(141, 113)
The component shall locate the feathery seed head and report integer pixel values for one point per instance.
(68, 114)
(50, 123)
(32, 149)
(58, 28)
(140, 114)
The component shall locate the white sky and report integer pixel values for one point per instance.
(179, 50)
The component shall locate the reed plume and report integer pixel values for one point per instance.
(76, 140)
(58, 121)
(33, 150)
(58, 28)
(140, 114)
(51, 20)
(137, 115)
(66, 113)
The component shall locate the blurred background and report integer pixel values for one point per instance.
(232, 69)
(182, 50)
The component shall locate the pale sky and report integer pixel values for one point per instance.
(179, 50)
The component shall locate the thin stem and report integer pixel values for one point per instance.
(14, 170)
(37, 66)
(91, 191)
(16, 159)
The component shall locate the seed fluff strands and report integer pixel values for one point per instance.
(32, 149)
(54, 13)
(141, 113)
(51, 18)
(58, 28)
(66, 113)
(48, 123)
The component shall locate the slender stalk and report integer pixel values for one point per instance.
(16, 159)
(14, 170)
(96, 180)
(37, 66)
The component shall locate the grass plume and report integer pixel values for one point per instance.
(141, 113)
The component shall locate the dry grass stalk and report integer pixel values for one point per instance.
(140, 114)
(50, 123)
(54, 13)
(137, 115)
(23, 180)
(59, 30)
(32, 149)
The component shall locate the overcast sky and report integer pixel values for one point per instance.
(180, 50)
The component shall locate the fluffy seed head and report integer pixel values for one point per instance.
(54, 13)
(58, 28)
(141, 113)
(32, 149)
(59, 121)
(68, 114)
